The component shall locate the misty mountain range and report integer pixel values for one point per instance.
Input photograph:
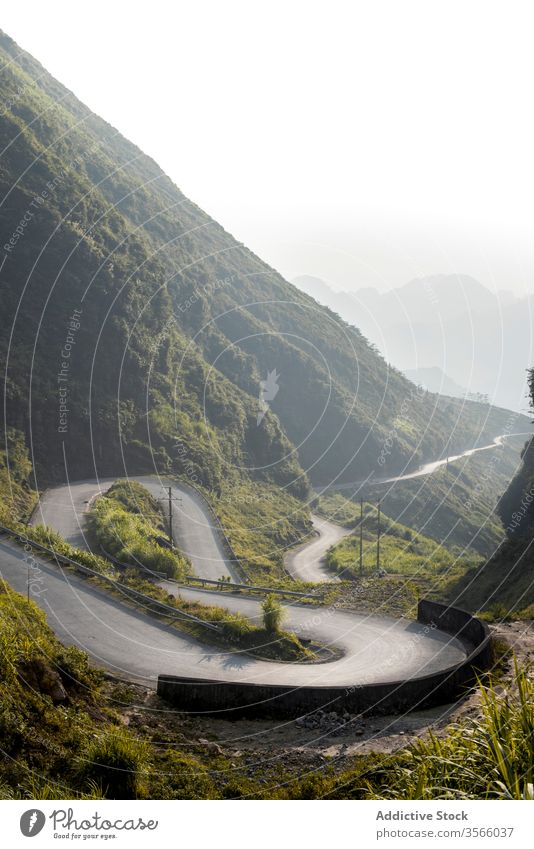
(448, 332)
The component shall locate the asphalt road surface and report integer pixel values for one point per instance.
(307, 563)
(422, 471)
(65, 508)
(135, 646)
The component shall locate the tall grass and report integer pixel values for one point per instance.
(491, 757)
(117, 763)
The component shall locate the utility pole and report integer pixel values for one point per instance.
(170, 500)
(361, 537)
(171, 540)
(378, 541)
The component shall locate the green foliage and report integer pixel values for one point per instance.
(80, 749)
(497, 612)
(181, 776)
(121, 528)
(487, 758)
(116, 762)
(261, 522)
(503, 586)
(16, 497)
(135, 498)
(403, 551)
(38, 737)
(76, 669)
(242, 634)
(75, 749)
(55, 542)
(272, 614)
(456, 506)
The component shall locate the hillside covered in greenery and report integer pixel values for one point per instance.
(137, 334)
(71, 732)
(403, 551)
(504, 584)
(457, 506)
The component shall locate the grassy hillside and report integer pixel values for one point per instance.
(455, 506)
(17, 499)
(403, 551)
(261, 522)
(69, 732)
(140, 331)
(64, 732)
(504, 584)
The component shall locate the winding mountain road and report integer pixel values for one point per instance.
(135, 646)
(422, 471)
(306, 563)
(65, 509)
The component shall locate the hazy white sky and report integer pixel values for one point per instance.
(364, 142)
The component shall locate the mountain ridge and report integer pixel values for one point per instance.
(482, 340)
(180, 323)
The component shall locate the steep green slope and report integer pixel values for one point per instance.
(136, 331)
(505, 583)
(17, 499)
(403, 551)
(455, 506)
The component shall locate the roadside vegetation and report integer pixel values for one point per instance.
(403, 551)
(261, 522)
(17, 499)
(236, 632)
(503, 588)
(488, 757)
(273, 614)
(127, 522)
(455, 506)
(68, 731)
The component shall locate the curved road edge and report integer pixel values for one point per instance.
(134, 645)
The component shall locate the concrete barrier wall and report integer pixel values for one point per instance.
(235, 699)
(452, 620)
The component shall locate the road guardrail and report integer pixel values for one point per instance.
(124, 590)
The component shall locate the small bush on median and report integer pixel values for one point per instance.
(273, 614)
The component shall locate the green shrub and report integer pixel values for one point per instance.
(273, 614)
(132, 539)
(496, 613)
(74, 665)
(181, 776)
(117, 762)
